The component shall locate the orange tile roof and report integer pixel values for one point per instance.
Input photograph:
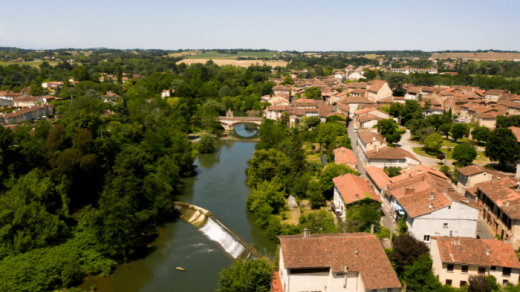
(354, 188)
(471, 251)
(516, 131)
(360, 252)
(378, 176)
(344, 156)
(376, 85)
(276, 283)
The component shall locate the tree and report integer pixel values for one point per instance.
(35, 89)
(502, 146)
(445, 129)
(441, 156)
(395, 109)
(402, 227)
(427, 104)
(407, 250)
(80, 73)
(481, 134)
(478, 283)
(312, 121)
(389, 129)
(287, 81)
(207, 143)
(365, 212)
(313, 93)
(464, 154)
(250, 275)
(445, 169)
(419, 277)
(392, 171)
(459, 130)
(433, 143)
(411, 110)
(315, 195)
(326, 133)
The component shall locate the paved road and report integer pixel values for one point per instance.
(483, 231)
(353, 141)
(408, 145)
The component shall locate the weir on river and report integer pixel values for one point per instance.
(217, 231)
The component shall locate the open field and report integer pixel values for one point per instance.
(185, 53)
(75, 53)
(30, 63)
(242, 63)
(478, 56)
(214, 55)
(372, 56)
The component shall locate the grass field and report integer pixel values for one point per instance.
(30, 63)
(481, 157)
(242, 63)
(477, 56)
(185, 53)
(372, 56)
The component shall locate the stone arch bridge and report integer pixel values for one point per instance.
(229, 123)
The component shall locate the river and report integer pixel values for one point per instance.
(218, 187)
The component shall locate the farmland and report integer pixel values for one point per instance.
(30, 63)
(478, 56)
(215, 55)
(242, 63)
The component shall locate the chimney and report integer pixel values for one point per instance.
(458, 240)
(507, 203)
(306, 233)
(373, 138)
(376, 150)
(487, 250)
(356, 252)
(431, 206)
(372, 229)
(408, 191)
(432, 195)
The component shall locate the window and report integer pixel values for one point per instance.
(481, 271)
(450, 268)
(462, 283)
(504, 282)
(465, 269)
(493, 268)
(389, 289)
(506, 271)
(426, 238)
(448, 282)
(445, 225)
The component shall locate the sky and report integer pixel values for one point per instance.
(277, 25)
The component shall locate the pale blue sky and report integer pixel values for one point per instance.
(278, 25)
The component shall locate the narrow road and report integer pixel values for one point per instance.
(406, 144)
(353, 142)
(483, 231)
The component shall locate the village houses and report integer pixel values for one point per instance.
(334, 262)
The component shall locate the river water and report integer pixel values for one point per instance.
(218, 187)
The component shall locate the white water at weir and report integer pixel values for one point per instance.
(220, 234)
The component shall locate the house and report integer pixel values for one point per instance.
(379, 90)
(335, 262)
(367, 118)
(457, 258)
(110, 97)
(471, 175)
(26, 101)
(356, 103)
(283, 91)
(377, 177)
(345, 156)
(407, 70)
(500, 202)
(26, 114)
(165, 93)
(389, 157)
(349, 189)
(494, 94)
(430, 205)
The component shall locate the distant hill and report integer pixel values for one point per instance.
(479, 56)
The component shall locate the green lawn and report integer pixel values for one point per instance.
(481, 157)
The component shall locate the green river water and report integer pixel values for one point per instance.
(218, 187)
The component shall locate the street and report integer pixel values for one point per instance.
(353, 142)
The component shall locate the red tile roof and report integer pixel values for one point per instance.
(376, 85)
(502, 194)
(516, 131)
(359, 252)
(471, 251)
(378, 176)
(354, 188)
(344, 156)
(276, 283)
(390, 153)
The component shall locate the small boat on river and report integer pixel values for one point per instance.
(180, 269)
